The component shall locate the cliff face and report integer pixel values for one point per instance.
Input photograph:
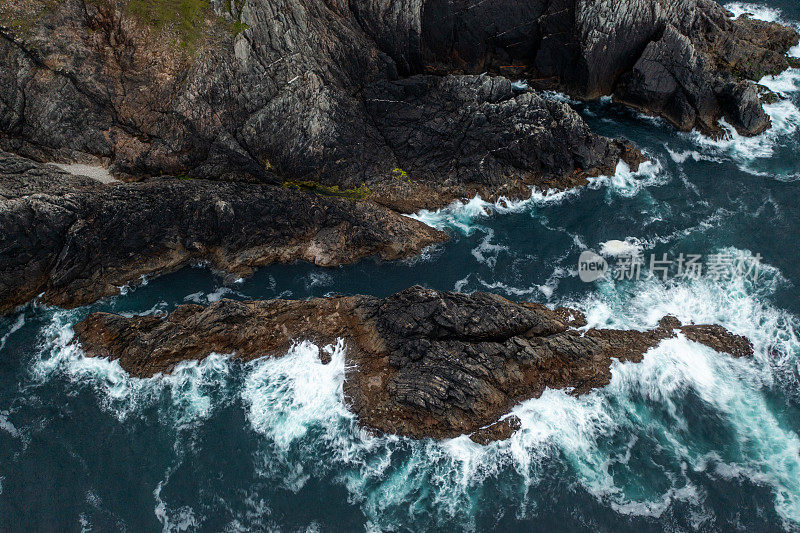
(321, 94)
(274, 90)
(302, 94)
(421, 363)
(276, 108)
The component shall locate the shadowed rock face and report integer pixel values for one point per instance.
(500, 140)
(684, 60)
(316, 89)
(303, 94)
(76, 240)
(421, 363)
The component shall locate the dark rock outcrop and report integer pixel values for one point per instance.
(420, 363)
(462, 135)
(280, 90)
(304, 93)
(684, 60)
(331, 93)
(76, 240)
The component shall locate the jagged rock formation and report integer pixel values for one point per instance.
(471, 134)
(317, 89)
(684, 60)
(76, 240)
(421, 363)
(299, 95)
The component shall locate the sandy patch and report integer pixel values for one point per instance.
(95, 172)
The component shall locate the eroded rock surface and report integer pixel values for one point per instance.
(463, 135)
(275, 90)
(684, 60)
(420, 363)
(76, 240)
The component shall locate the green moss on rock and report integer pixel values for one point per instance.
(358, 193)
(21, 16)
(183, 17)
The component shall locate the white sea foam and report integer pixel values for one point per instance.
(211, 297)
(617, 248)
(173, 520)
(785, 117)
(559, 97)
(756, 11)
(318, 279)
(626, 183)
(784, 114)
(685, 155)
(192, 389)
(461, 216)
(786, 82)
(7, 426)
(132, 286)
(16, 326)
(158, 308)
(730, 388)
(287, 395)
(297, 404)
(487, 251)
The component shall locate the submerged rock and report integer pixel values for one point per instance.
(421, 363)
(74, 240)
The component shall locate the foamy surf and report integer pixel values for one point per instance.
(16, 326)
(186, 396)
(617, 248)
(462, 215)
(784, 113)
(785, 118)
(603, 441)
(756, 11)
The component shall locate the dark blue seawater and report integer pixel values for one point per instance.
(687, 440)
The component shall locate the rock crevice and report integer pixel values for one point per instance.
(74, 240)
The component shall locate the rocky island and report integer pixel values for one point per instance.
(250, 132)
(421, 363)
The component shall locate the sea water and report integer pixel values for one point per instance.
(688, 439)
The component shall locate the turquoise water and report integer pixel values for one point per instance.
(687, 440)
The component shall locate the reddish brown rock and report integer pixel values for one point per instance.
(421, 363)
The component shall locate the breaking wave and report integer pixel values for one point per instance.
(462, 216)
(750, 153)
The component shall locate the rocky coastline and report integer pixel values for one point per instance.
(410, 97)
(421, 363)
(265, 131)
(71, 240)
